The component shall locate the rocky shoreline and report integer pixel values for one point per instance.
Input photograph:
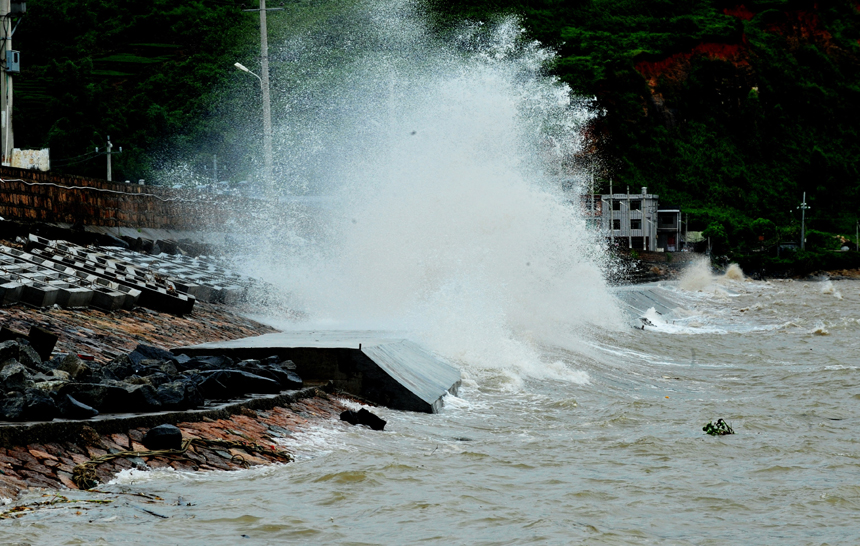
(237, 436)
(80, 417)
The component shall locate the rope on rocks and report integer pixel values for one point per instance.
(84, 474)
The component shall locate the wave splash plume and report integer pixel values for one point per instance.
(437, 172)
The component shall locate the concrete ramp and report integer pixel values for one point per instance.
(379, 366)
(637, 299)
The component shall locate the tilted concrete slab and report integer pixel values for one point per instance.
(637, 299)
(378, 366)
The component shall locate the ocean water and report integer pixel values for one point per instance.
(441, 175)
(611, 453)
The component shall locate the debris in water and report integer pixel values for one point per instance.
(720, 428)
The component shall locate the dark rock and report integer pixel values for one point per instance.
(275, 360)
(168, 246)
(7, 334)
(155, 379)
(12, 406)
(141, 398)
(163, 437)
(122, 367)
(287, 379)
(42, 341)
(166, 366)
(148, 352)
(15, 377)
(33, 405)
(109, 240)
(179, 395)
(105, 398)
(72, 409)
(59, 375)
(99, 373)
(206, 363)
(363, 417)
(74, 366)
(225, 384)
(28, 356)
(39, 406)
(20, 350)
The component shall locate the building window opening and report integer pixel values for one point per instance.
(636, 205)
(616, 224)
(616, 205)
(635, 224)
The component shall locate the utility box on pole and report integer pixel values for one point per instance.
(10, 63)
(13, 62)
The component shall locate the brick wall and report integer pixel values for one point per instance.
(91, 201)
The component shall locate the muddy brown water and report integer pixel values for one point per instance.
(613, 455)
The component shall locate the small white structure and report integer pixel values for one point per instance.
(36, 160)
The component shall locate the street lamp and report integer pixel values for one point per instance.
(803, 208)
(267, 128)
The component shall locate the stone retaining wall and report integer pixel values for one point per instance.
(33, 196)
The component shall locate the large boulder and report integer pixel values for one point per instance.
(15, 377)
(21, 351)
(363, 417)
(72, 409)
(72, 365)
(163, 437)
(39, 406)
(179, 395)
(226, 384)
(104, 398)
(288, 379)
(12, 406)
(206, 363)
(124, 366)
(141, 399)
(148, 352)
(284, 364)
(33, 405)
(155, 379)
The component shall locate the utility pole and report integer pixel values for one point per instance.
(267, 106)
(9, 61)
(108, 154)
(803, 208)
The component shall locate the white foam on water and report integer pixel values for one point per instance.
(828, 288)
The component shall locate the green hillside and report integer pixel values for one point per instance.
(142, 71)
(729, 110)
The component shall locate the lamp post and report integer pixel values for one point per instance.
(267, 128)
(803, 208)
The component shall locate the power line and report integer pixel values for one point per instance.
(95, 189)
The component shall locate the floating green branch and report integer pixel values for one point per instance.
(720, 428)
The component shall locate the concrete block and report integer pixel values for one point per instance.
(39, 295)
(107, 300)
(232, 294)
(10, 292)
(74, 297)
